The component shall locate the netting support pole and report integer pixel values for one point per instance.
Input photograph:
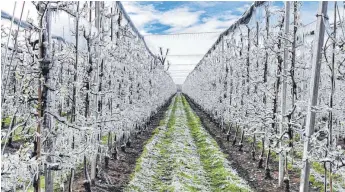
(314, 89)
(283, 96)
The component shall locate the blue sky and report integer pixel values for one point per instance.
(171, 17)
(194, 16)
(174, 17)
(177, 16)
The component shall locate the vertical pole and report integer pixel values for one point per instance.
(332, 77)
(4, 61)
(266, 54)
(110, 148)
(74, 87)
(265, 84)
(248, 61)
(293, 60)
(257, 60)
(37, 143)
(248, 70)
(13, 75)
(292, 70)
(94, 158)
(112, 24)
(330, 124)
(47, 100)
(314, 90)
(87, 183)
(75, 64)
(283, 96)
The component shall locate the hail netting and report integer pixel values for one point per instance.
(239, 81)
(110, 65)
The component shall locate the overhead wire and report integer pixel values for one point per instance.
(191, 33)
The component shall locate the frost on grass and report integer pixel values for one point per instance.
(182, 158)
(144, 170)
(188, 174)
(174, 165)
(220, 174)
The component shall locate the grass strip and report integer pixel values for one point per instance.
(212, 159)
(168, 122)
(166, 164)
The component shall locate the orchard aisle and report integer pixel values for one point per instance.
(182, 156)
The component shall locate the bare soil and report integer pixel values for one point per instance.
(15, 146)
(117, 176)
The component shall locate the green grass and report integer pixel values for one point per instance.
(104, 139)
(42, 184)
(165, 165)
(170, 165)
(162, 122)
(260, 145)
(316, 183)
(250, 139)
(289, 166)
(318, 167)
(274, 156)
(299, 154)
(138, 165)
(211, 157)
(7, 121)
(56, 186)
(18, 135)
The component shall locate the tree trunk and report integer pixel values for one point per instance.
(261, 160)
(235, 137)
(70, 186)
(87, 182)
(240, 145)
(253, 147)
(267, 169)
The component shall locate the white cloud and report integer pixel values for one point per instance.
(243, 8)
(209, 25)
(180, 19)
(206, 3)
(140, 14)
(143, 15)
